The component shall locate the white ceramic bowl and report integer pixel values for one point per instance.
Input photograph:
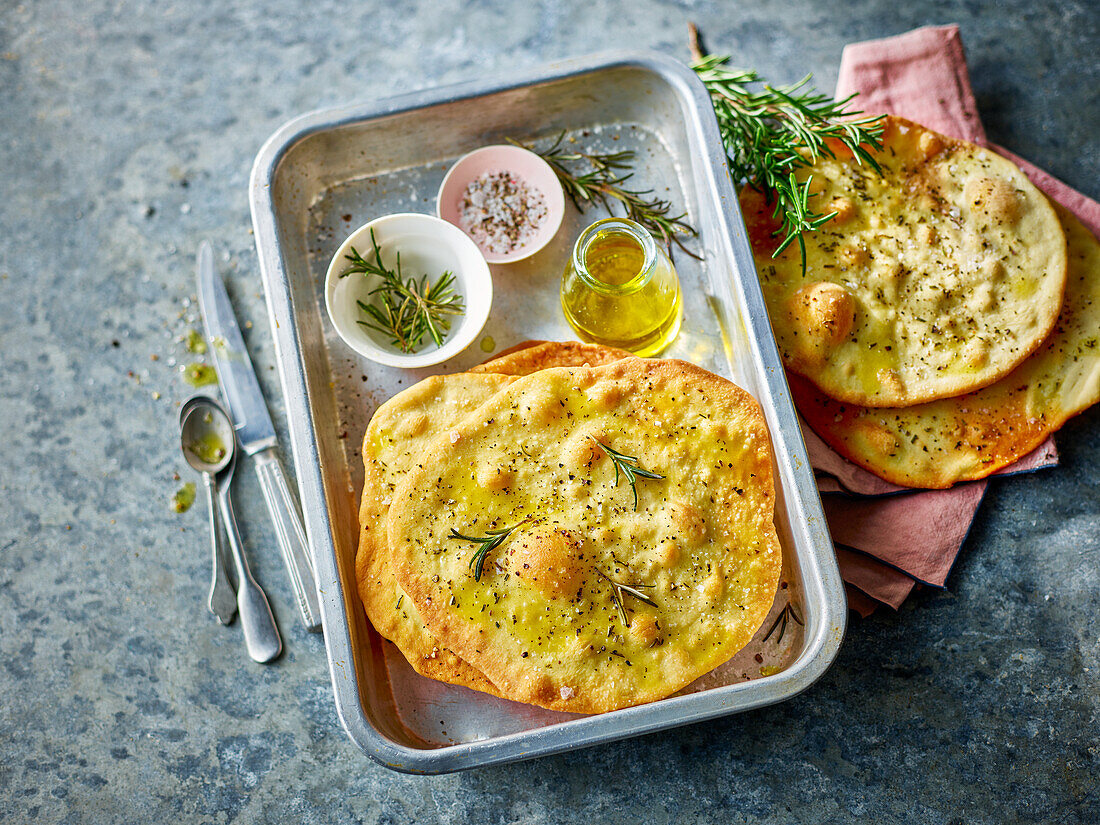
(428, 246)
(534, 171)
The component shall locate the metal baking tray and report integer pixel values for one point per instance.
(324, 174)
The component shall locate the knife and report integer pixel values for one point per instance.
(255, 431)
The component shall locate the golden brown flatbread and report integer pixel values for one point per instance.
(595, 600)
(932, 280)
(958, 439)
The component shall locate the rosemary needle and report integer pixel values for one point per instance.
(788, 614)
(617, 590)
(487, 543)
(628, 466)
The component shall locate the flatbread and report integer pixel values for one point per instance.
(933, 280)
(541, 623)
(958, 439)
(528, 357)
(397, 433)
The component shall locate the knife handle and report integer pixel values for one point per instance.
(291, 536)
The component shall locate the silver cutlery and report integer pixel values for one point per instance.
(261, 636)
(256, 433)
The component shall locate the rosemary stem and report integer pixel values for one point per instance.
(771, 132)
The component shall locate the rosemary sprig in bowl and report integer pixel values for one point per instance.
(771, 131)
(405, 309)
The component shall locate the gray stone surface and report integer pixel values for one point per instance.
(127, 130)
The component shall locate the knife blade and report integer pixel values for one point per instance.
(255, 431)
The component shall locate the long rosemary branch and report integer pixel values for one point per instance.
(602, 184)
(771, 131)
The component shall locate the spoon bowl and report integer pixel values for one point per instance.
(207, 435)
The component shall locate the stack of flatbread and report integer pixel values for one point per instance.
(569, 526)
(948, 319)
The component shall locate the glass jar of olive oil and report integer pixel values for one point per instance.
(620, 288)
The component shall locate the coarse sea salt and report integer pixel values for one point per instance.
(501, 212)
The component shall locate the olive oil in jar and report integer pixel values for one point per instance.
(621, 290)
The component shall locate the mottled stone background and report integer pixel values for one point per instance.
(127, 131)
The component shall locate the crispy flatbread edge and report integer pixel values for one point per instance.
(529, 357)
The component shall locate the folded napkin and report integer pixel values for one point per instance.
(889, 539)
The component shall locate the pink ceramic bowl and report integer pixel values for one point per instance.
(528, 166)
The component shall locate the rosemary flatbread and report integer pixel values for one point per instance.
(957, 439)
(932, 280)
(525, 550)
(397, 433)
(531, 356)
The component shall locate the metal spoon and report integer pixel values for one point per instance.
(204, 448)
(261, 636)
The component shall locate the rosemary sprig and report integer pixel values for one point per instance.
(603, 185)
(405, 308)
(489, 542)
(771, 131)
(617, 590)
(788, 614)
(628, 465)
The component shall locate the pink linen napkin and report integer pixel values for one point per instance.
(889, 540)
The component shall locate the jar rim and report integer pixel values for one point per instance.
(623, 226)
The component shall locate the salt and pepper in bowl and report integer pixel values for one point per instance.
(506, 198)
